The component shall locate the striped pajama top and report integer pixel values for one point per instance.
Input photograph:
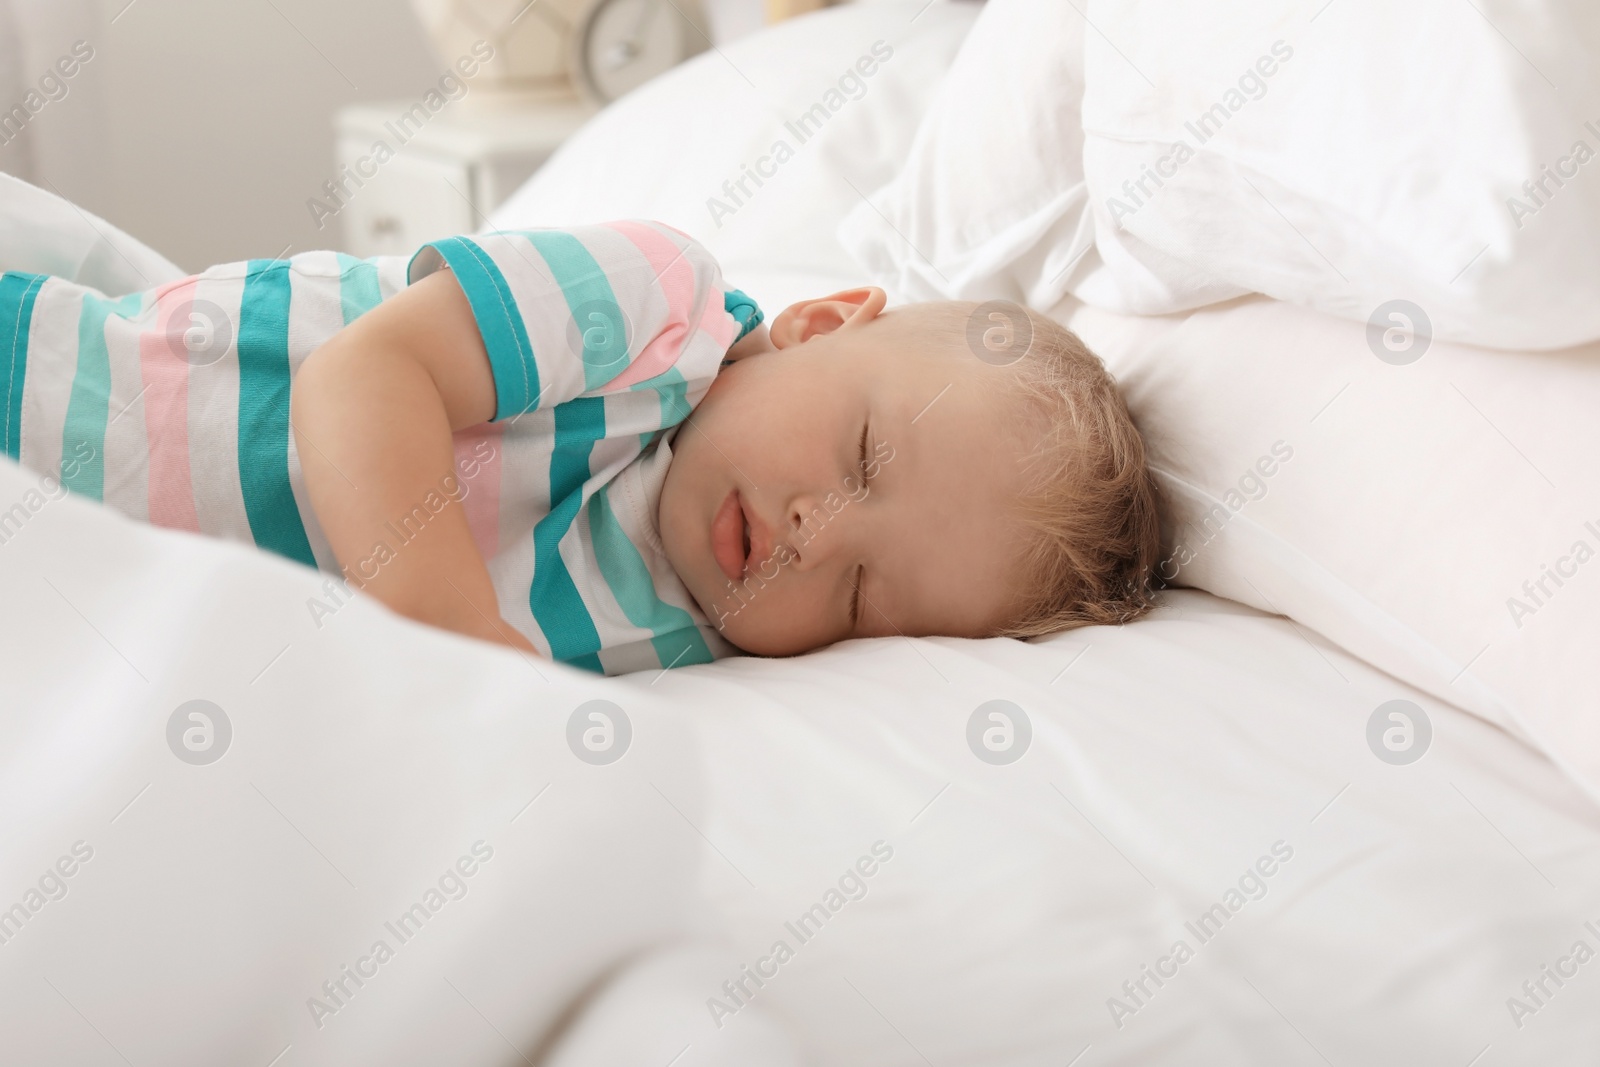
(172, 406)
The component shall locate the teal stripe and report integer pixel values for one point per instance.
(264, 412)
(17, 295)
(505, 336)
(682, 648)
(553, 598)
(83, 437)
(601, 325)
(359, 291)
(744, 311)
(677, 640)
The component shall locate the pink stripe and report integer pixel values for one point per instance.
(182, 283)
(714, 320)
(479, 453)
(719, 325)
(164, 369)
(675, 275)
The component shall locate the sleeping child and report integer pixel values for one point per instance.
(582, 444)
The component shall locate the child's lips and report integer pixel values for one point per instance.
(739, 540)
(727, 537)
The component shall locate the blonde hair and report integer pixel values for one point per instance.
(1093, 510)
(1091, 532)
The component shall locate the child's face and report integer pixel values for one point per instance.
(837, 483)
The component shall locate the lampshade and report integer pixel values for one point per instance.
(531, 41)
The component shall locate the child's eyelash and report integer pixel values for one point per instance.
(866, 475)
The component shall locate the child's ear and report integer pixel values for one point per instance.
(800, 322)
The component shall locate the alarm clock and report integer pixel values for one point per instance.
(556, 49)
(618, 45)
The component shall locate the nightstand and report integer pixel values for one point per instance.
(443, 173)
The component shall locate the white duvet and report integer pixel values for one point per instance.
(1197, 857)
(1009, 906)
(1426, 166)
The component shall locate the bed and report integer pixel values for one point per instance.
(971, 852)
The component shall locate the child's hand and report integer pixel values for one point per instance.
(373, 411)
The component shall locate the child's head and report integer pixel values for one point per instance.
(926, 470)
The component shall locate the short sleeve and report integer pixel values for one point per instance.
(744, 312)
(592, 310)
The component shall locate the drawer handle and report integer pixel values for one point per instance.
(385, 226)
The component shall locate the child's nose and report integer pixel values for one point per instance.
(817, 532)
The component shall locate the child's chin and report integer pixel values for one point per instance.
(759, 644)
(729, 627)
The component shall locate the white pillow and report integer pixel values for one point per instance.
(991, 203)
(666, 152)
(1378, 153)
(1398, 509)
(1208, 151)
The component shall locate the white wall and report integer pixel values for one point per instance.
(202, 126)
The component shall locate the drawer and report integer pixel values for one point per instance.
(411, 199)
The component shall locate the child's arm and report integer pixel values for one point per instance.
(373, 411)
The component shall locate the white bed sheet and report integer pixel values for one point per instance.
(1167, 757)
(368, 753)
